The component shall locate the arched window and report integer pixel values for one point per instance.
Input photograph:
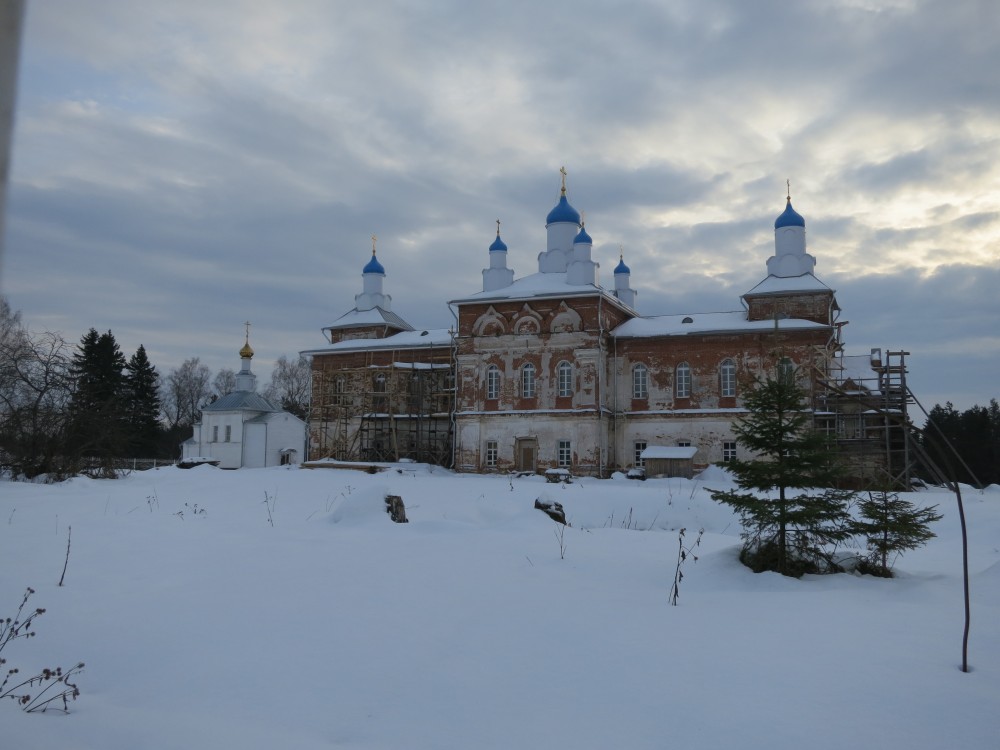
(640, 381)
(682, 382)
(528, 381)
(492, 383)
(565, 379)
(727, 379)
(786, 371)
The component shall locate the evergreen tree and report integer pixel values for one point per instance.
(788, 522)
(142, 405)
(973, 434)
(891, 525)
(98, 428)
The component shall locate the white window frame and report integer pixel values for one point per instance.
(528, 380)
(492, 383)
(564, 379)
(682, 380)
(564, 453)
(728, 451)
(229, 433)
(491, 452)
(640, 381)
(639, 446)
(727, 378)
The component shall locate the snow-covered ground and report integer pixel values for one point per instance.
(280, 608)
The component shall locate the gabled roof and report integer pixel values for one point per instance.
(375, 317)
(718, 322)
(241, 401)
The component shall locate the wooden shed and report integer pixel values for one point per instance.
(673, 461)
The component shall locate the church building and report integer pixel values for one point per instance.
(243, 429)
(552, 370)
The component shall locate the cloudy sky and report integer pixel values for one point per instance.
(181, 167)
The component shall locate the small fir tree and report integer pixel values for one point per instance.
(891, 525)
(789, 521)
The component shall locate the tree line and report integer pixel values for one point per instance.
(66, 409)
(975, 435)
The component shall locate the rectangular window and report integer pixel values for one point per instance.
(565, 454)
(491, 452)
(683, 443)
(229, 432)
(640, 446)
(215, 434)
(728, 452)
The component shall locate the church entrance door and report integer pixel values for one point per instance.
(526, 452)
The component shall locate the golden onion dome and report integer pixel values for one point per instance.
(246, 352)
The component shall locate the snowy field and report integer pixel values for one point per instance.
(280, 608)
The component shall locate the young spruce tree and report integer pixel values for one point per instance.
(891, 525)
(790, 513)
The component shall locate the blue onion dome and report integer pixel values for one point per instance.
(583, 238)
(374, 266)
(563, 212)
(621, 267)
(789, 218)
(498, 245)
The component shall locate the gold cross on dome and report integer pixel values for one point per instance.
(247, 324)
(498, 227)
(374, 239)
(788, 187)
(562, 171)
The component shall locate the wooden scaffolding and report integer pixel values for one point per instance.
(379, 406)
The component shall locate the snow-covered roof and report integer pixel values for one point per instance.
(375, 317)
(241, 401)
(682, 325)
(538, 285)
(404, 340)
(784, 284)
(662, 451)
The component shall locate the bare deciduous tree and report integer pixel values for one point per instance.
(224, 382)
(185, 391)
(35, 391)
(291, 385)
